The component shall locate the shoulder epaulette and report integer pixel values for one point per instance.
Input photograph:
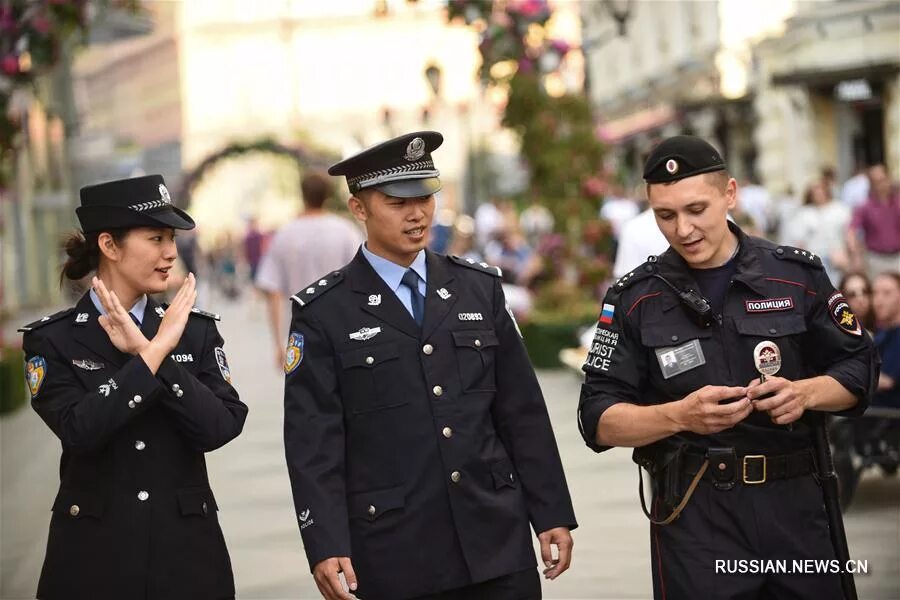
(798, 255)
(205, 314)
(46, 320)
(317, 289)
(483, 267)
(644, 271)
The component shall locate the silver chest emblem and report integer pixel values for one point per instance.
(443, 293)
(374, 299)
(366, 333)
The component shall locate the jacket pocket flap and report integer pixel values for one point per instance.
(79, 503)
(661, 336)
(504, 475)
(196, 502)
(769, 326)
(371, 505)
(369, 356)
(475, 338)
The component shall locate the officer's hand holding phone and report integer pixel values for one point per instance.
(327, 575)
(712, 408)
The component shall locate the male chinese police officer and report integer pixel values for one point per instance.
(672, 374)
(418, 443)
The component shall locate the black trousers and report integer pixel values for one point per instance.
(726, 544)
(523, 585)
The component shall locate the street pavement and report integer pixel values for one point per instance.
(249, 478)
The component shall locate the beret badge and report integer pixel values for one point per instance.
(672, 166)
(415, 150)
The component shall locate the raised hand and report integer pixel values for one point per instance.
(123, 332)
(172, 326)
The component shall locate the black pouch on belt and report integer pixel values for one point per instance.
(722, 467)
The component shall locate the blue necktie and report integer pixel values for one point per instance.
(411, 280)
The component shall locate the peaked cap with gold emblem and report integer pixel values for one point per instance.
(401, 167)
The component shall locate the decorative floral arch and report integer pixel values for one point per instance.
(304, 159)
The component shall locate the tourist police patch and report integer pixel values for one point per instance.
(35, 371)
(842, 315)
(293, 356)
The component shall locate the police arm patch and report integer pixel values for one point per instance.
(293, 356)
(223, 364)
(842, 315)
(35, 372)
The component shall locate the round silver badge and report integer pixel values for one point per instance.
(415, 150)
(767, 357)
(672, 166)
(164, 194)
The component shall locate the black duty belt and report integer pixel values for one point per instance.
(726, 468)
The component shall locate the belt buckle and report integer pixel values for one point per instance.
(744, 474)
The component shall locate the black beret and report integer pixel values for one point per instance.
(401, 167)
(681, 156)
(136, 202)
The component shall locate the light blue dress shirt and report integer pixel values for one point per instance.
(392, 273)
(137, 310)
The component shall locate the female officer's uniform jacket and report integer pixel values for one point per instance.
(134, 516)
(421, 453)
(778, 293)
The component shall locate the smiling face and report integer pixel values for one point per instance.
(397, 228)
(140, 263)
(692, 215)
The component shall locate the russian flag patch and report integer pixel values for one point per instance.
(606, 315)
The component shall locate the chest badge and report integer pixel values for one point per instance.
(87, 365)
(160, 311)
(443, 293)
(767, 357)
(375, 300)
(81, 318)
(366, 333)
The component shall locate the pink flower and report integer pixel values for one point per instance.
(41, 24)
(560, 47)
(10, 64)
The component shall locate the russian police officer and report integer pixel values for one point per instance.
(674, 372)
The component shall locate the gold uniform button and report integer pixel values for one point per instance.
(455, 476)
(448, 433)
(370, 360)
(139, 445)
(428, 349)
(74, 510)
(371, 511)
(478, 343)
(438, 390)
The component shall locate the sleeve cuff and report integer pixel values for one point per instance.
(589, 418)
(855, 387)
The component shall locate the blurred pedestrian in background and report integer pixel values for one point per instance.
(886, 303)
(254, 246)
(819, 226)
(857, 289)
(874, 234)
(137, 393)
(313, 244)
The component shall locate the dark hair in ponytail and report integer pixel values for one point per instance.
(83, 252)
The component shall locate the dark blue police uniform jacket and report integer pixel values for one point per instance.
(135, 516)
(423, 454)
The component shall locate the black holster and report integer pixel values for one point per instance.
(665, 466)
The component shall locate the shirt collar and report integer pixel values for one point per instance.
(391, 272)
(137, 310)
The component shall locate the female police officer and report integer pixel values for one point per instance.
(672, 374)
(136, 393)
